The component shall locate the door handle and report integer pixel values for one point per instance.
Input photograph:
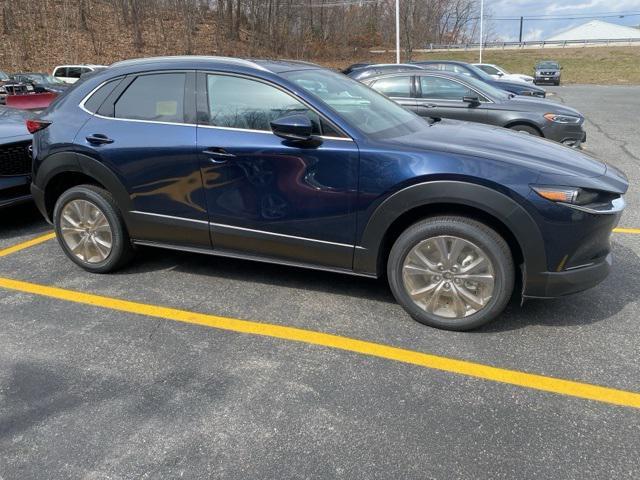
(99, 139)
(430, 105)
(218, 155)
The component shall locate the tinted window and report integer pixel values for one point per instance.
(74, 72)
(394, 87)
(61, 72)
(100, 95)
(444, 89)
(158, 97)
(236, 102)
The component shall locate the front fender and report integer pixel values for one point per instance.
(490, 201)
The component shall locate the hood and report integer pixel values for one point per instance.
(539, 104)
(501, 144)
(504, 84)
(12, 125)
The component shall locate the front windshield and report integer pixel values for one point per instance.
(483, 87)
(552, 65)
(363, 108)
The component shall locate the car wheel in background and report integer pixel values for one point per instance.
(90, 229)
(451, 272)
(526, 129)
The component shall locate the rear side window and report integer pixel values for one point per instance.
(394, 87)
(60, 72)
(158, 97)
(99, 96)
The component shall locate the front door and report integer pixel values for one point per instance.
(267, 196)
(443, 97)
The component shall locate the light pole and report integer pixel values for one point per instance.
(397, 31)
(481, 25)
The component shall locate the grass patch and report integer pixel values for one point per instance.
(596, 65)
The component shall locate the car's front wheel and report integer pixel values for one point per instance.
(451, 272)
(90, 229)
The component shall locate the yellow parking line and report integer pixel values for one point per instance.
(461, 367)
(29, 243)
(627, 230)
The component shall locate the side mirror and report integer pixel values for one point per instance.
(500, 74)
(473, 101)
(297, 128)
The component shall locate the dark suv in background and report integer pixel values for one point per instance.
(290, 163)
(547, 72)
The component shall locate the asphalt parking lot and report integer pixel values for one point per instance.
(91, 387)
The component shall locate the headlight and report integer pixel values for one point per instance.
(573, 195)
(554, 117)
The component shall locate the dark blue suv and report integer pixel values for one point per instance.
(290, 163)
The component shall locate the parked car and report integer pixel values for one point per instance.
(71, 73)
(436, 94)
(519, 88)
(9, 86)
(500, 73)
(41, 82)
(371, 70)
(15, 157)
(352, 67)
(548, 72)
(287, 162)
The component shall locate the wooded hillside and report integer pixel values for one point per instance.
(37, 35)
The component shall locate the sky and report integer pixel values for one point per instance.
(535, 29)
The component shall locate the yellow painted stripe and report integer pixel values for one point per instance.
(627, 230)
(29, 243)
(461, 367)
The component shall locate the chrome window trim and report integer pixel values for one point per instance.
(86, 98)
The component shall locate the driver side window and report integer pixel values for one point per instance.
(439, 88)
(236, 102)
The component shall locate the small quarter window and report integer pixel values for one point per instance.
(99, 96)
(157, 97)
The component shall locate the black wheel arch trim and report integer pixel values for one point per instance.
(72, 162)
(496, 204)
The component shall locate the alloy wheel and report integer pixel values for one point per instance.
(448, 277)
(86, 231)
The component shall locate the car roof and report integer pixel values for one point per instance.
(455, 62)
(78, 65)
(273, 66)
(421, 73)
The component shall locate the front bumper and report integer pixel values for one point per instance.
(571, 135)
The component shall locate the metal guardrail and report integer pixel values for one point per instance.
(535, 43)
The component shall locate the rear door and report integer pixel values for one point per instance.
(443, 97)
(400, 88)
(144, 132)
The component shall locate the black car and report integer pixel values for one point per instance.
(519, 88)
(41, 82)
(547, 72)
(372, 70)
(352, 67)
(287, 162)
(15, 157)
(444, 95)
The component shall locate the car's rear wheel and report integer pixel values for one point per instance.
(525, 129)
(451, 272)
(90, 229)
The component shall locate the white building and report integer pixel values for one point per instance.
(597, 30)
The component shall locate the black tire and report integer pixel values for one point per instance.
(491, 244)
(525, 129)
(121, 250)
